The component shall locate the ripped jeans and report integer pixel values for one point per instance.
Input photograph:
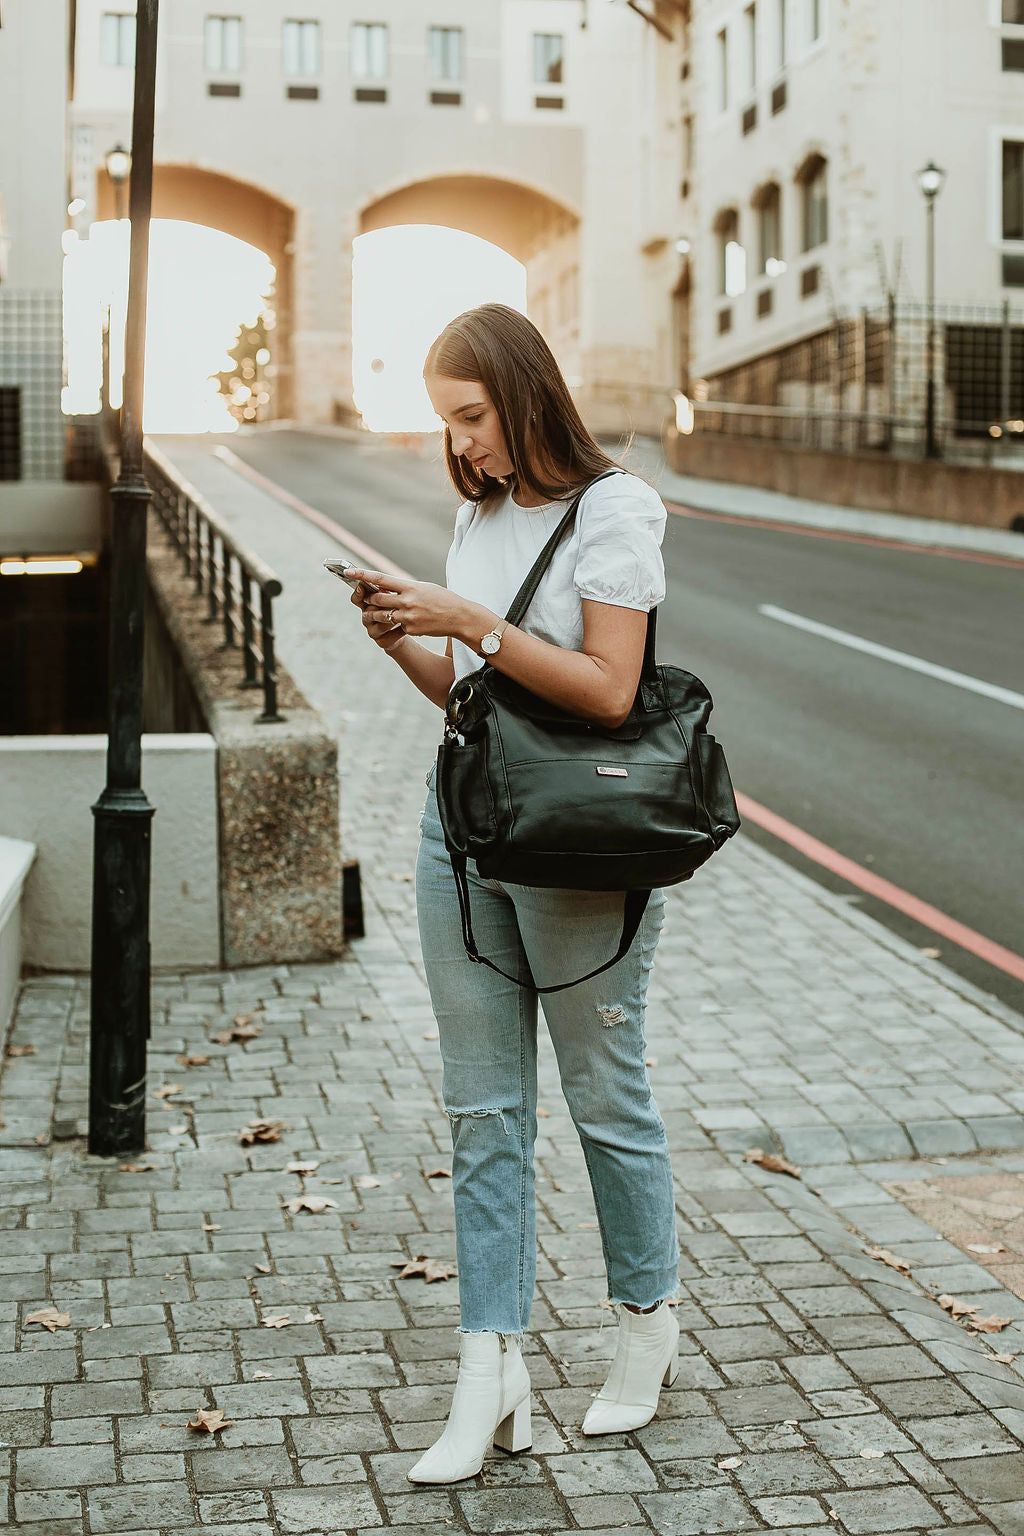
(488, 1036)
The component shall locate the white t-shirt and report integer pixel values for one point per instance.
(612, 555)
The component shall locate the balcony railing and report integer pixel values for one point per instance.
(239, 587)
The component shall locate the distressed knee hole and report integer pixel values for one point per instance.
(471, 1115)
(611, 1013)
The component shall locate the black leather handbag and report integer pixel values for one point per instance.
(538, 796)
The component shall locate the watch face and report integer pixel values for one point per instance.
(490, 643)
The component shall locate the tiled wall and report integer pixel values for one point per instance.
(31, 364)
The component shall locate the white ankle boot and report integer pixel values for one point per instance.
(491, 1403)
(646, 1359)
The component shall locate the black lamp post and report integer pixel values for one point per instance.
(123, 815)
(119, 164)
(930, 180)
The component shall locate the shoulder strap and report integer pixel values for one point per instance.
(524, 597)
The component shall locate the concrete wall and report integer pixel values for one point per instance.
(950, 493)
(49, 784)
(15, 862)
(50, 517)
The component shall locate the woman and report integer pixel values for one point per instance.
(517, 452)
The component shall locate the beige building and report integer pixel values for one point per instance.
(805, 125)
(34, 89)
(531, 123)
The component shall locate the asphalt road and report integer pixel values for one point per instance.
(918, 779)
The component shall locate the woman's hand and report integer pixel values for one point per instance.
(382, 631)
(414, 608)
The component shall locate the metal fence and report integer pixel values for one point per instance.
(862, 383)
(239, 587)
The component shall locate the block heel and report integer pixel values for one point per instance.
(514, 1432)
(672, 1371)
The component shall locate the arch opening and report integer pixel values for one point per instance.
(431, 249)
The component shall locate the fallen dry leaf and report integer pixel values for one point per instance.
(262, 1376)
(264, 1269)
(50, 1318)
(210, 1419)
(309, 1167)
(168, 1090)
(771, 1161)
(985, 1248)
(312, 1317)
(436, 1173)
(543, 1114)
(41, 1139)
(872, 1455)
(931, 954)
(1002, 1359)
(430, 1269)
(210, 1226)
(136, 1167)
(650, 1061)
(280, 1320)
(261, 1130)
(177, 1130)
(430, 1034)
(186, 1060)
(893, 1261)
(956, 1308)
(315, 1203)
(730, 1463)
(20, 1050)
(332, 1181)
(991, 1324)
(245, 1031)
(366, 1181)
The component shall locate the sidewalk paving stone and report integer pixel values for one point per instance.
(799, 1354)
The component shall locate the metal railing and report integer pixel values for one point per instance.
(239, 587)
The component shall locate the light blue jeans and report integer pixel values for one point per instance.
(488, 1036)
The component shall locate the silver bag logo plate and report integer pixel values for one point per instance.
(614, 773)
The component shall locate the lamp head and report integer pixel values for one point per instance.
(119, 163)
(930, 179)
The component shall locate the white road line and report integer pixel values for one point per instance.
(899, 658)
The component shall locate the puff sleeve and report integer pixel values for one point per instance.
(463, 518)
(622, 524)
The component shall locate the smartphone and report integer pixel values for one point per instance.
(342, 569)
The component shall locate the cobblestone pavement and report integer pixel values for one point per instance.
(820, 1387)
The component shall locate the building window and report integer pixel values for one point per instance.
(117, 39)
(548, 58)
(732, 258)
(369, 50)
(813, 182)
(1013, 13)
(817, 19)
(722, 52)
(223, 44)
(444, 45)
(768, 205)
(780, 33)
(301, 48)
(1013, 189)
(750, 21)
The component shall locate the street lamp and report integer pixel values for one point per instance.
(930, 179)
(119, 167)
(119, 992)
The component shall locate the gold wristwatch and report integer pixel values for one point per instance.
(491, 642)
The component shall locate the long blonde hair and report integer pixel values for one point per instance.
(551, 450)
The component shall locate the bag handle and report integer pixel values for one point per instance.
(528, 591)
(634, 908)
